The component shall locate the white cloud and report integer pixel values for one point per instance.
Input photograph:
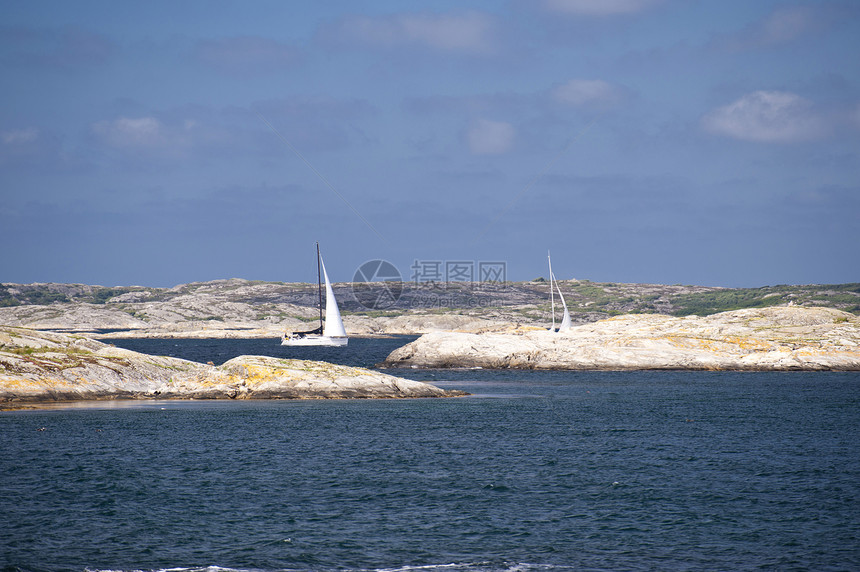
(599, 7)
(767, 116)
(31, 148)
(586, 92)
(19, 136)
(487, 137)
(128, 132)
(471, 32)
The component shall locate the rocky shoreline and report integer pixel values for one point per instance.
(50, 367)
(768, 339)
(237, 308)
(37, 366)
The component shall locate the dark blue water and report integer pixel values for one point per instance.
(361, 352)
(536, 471)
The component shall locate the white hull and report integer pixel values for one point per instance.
(315, 340)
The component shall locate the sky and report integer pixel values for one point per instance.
(662, 141)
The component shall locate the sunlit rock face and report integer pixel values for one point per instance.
(783, 338)
(40, 366)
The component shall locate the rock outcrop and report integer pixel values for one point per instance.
(40, 366)
(780, 338)
(238, 308)
(260, 377)
(200, 317)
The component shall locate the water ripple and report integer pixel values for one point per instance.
(764, 478)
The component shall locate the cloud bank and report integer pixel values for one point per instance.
(586, 93)
(470, 33)
(767, 116)
(19, 136)
(599, 7)
(130, 132)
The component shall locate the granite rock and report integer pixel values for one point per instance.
(778, 338)
(42, 366)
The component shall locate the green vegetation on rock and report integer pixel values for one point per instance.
(840, 296)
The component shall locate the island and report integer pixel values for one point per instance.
(49, 349)
(46, 366)
(763, 339)
(238, 308)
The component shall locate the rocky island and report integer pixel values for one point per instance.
(237, 308)
(42, 366)
(48, 347)
(775, 339)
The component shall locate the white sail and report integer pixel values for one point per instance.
(565, 321)
(333, 322)
(332, 333)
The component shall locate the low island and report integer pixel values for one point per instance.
(49, 351)
(45, 366)
(764, 339)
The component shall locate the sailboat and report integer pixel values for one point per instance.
(565, 320)
(330, 333)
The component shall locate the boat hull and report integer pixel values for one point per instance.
(315, 340)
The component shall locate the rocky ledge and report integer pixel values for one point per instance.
(39, 366)
(780, 338)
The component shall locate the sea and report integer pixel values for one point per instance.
(533, 471)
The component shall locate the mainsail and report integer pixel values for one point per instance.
(333, 322)
(565, 321)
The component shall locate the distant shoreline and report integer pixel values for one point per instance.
(252, 309)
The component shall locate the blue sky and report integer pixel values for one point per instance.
(665, 141)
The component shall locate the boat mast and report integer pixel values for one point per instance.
(551, 291)
(319, 284)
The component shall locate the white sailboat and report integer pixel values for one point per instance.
(565, 320)
(329, 333)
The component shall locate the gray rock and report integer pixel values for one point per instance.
(40, 366)
(779, 338)
(253, 309)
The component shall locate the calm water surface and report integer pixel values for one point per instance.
(536, 471)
